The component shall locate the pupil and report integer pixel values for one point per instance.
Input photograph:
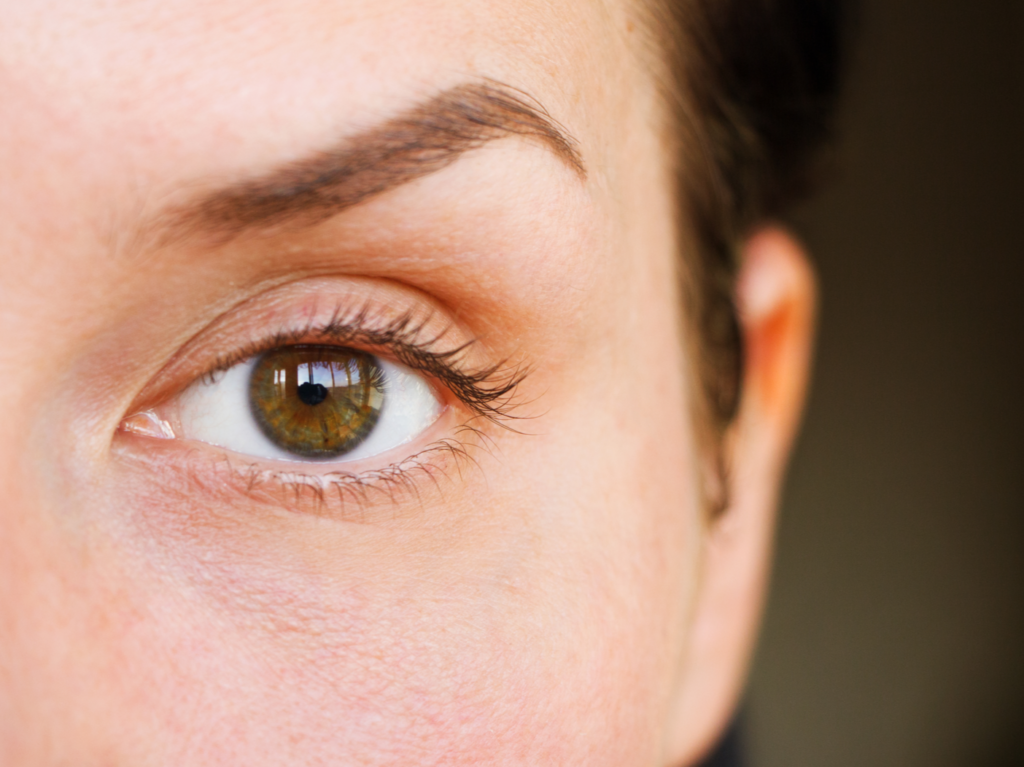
(312, 393)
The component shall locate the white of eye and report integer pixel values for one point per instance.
(217, 412)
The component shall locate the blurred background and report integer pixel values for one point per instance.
(895, 627)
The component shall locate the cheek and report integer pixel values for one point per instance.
(534, 622)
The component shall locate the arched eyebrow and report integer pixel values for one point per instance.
(421, 140)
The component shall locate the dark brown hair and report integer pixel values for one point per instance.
(750, 88)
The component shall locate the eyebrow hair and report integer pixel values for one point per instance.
(420, 141)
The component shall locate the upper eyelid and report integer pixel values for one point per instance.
(281, 314)
(340, 330)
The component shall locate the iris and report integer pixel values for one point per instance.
(316, 401)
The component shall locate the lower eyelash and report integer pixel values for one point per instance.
(343, 495)
(342, 492)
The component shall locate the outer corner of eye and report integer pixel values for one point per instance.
(302, 403)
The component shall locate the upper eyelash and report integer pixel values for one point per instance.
(488, 392)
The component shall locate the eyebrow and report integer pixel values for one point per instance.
(419, 141)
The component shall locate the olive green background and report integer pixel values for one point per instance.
(895, 627)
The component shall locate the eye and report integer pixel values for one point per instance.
(309, 403)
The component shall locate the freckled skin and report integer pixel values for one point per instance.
(548, 594)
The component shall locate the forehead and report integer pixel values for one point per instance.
(187, 89)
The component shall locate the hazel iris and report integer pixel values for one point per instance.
(316, 401)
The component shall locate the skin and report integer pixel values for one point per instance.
(554, 595)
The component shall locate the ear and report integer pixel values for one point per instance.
(776, 303)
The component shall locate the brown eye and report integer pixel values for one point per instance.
(316, 401)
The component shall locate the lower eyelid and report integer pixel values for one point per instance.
(204, 474)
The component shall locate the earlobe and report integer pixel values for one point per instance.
(776, 299)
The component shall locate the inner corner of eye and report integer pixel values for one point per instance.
(147, 424)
